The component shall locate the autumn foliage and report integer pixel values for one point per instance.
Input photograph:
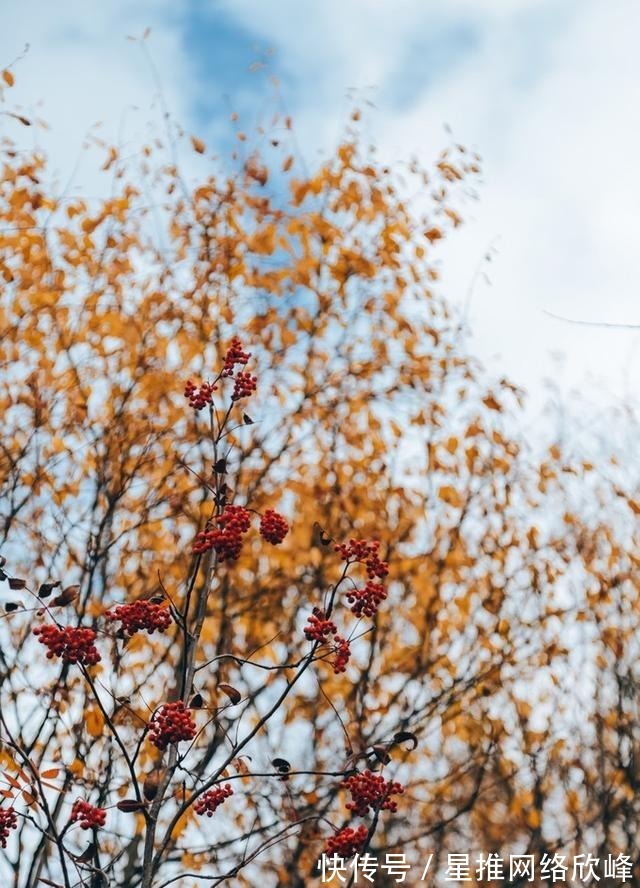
(279, 573)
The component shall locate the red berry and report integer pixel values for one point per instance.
(199, 396)
(370, 790)
(343, 653)
(347, 842)
(365, 602)
(171, 724)
(245, 385)
(8, 821)
(209, 801)
(367, 553)
(87, 815)
(226, 538)
(73, 644)
(140, 615)
(318, 628)
(235, 355)
(273, 527)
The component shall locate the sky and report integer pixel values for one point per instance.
(545, 90)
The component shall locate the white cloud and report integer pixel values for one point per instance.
(80, 70)
(548, 94)
(545, 90)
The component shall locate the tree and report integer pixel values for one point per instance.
(190, 693)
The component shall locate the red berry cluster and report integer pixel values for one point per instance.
(199, 396)
(212, 799)
(365, 602)
(273, 527)
(140, 615)
(226, 538)
(365, 552)
(245, 385)
(342, 652)
(347, 842)
(370, 790)
(318, 628)
(87, 815)
(235, 355)
(171, 724)
(8, 820)
(71, 644)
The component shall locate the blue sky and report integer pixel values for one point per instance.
(546, 90)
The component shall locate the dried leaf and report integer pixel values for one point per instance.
(381, 752)
(23, 120)
(406, 736)
(66, 596)
(198, 145)
(234, 695)
(150, 786)
(130, 805)
(87, 854)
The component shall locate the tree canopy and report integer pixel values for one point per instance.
(125, 512)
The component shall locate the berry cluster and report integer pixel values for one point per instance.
(365, 602)
(318, 628)
(71, 644)
(273, 527)
(226, 538)
(140, 615)
(343, 653)
(370, 790)
(171, 724)
(199, 396)
(245, 385)
(347, 842)
(8, 820)
(212, 799)
(235, 355)
(365, 552)
(87, 815)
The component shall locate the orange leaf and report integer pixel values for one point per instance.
(11, 781)
(491, 403)
(94, 722)
(448, 494)
(198, 145)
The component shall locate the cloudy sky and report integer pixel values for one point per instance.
(546, 90)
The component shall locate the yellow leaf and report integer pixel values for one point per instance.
(8, 77)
